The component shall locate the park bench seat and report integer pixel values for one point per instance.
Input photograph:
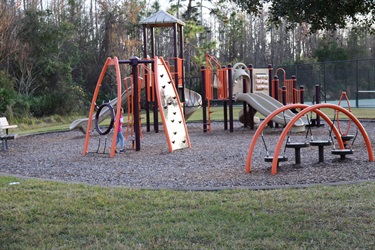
(4, 125)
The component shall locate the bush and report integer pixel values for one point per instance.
(21, 107)
(63, 102)
(7, 93)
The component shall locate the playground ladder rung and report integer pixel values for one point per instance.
(140, 117)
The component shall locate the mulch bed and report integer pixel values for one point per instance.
(216, 160)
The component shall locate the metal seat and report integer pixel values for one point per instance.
(321, 144)
(342, 152)
(280, 159)
(297, 149)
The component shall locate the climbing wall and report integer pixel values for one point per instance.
(170, 108)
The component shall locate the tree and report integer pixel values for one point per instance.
(9, 22)
(319, 14)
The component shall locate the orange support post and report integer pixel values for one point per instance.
(289, 91)
(210, 74)
(108, 62)
(180, 62)
(343, 96)
(222, 83)
(209, 84)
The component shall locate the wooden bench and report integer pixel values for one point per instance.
(4, 125)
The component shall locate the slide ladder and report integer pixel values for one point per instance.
(218, 81)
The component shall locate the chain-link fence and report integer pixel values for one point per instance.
(356, 78)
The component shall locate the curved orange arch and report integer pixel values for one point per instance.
(108, 62)
(343, 94)
(276, 112)
(315, 108)
(283, 70)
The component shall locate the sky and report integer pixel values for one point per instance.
(164, 3)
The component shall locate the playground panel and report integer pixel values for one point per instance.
(261, 80)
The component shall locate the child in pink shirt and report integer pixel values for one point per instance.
(120, 137)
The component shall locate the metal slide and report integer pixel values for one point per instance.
(193, 101)
(81, 124)
(265, 105)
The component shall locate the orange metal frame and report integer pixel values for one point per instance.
(109, 62)
(279, 90)
(222, 83)
(221, 80)
(222, 88)
(176, 69)
(343, 95)
(293, 95)
(305, 109)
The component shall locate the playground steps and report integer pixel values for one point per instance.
(208, 124)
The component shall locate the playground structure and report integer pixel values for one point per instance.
(227, 84)
(277, 104)
(256, 88)
(163, 85)
(342, 151)
(164, 99)
(166, 95)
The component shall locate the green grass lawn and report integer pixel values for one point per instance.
(52, 215)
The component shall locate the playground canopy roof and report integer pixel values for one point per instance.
(161, 19)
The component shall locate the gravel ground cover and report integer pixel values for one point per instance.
(216, 160)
